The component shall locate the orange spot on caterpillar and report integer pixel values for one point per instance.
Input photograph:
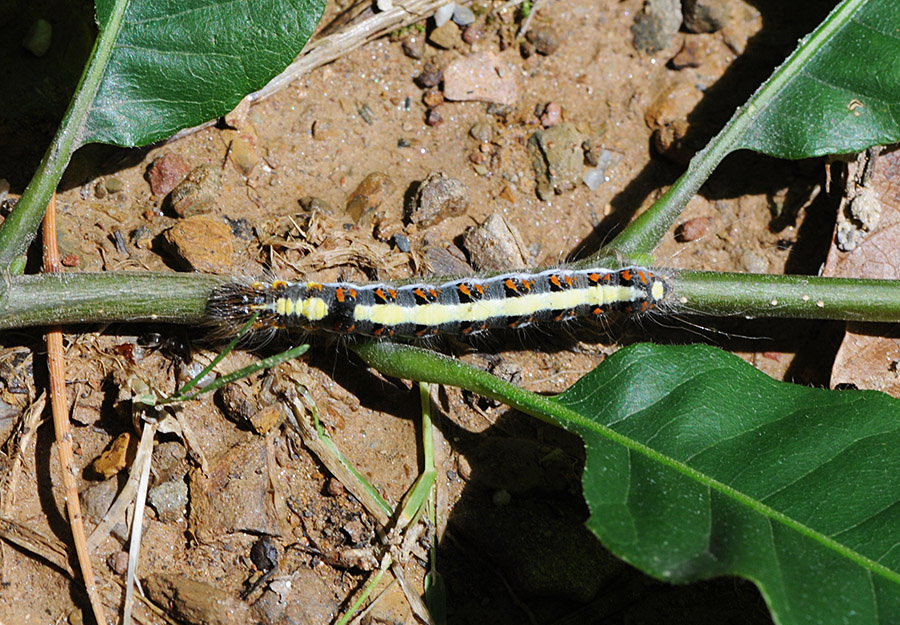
(339, 294)
(626, 275)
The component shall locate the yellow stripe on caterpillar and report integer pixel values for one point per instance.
(437, 314)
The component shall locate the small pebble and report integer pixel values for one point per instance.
(544, 40)
(202, 244)
(264, 553)
(431, 76)
(656, 25)
(114, 185)
(170, 500)
(753, 262)
(705, 16)
(118, 562)
(447, 261)
(433, 98)
(165, 172)
(444, 13)
(116, 457)
(368, 195)
(70, 260)
(198, 192)
(594, 177)
(334, 488)
(482, 132)
(97, 498)
(433, 118)
(471, 33)
(439, 196)
(494, 245)
(313, 204)
(401, 242)
(244, 148)
(692, 229)
(196, 602)
(552, 115)
(463, 16)
(556, 158)
(142, 238)
(413, 47)
(446, 36)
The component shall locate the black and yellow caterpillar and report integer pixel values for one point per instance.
(464, 306)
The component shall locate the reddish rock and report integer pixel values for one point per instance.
(165, 172)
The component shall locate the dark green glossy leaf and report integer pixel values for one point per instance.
(178, 64)
(699, 465)
(845, 95)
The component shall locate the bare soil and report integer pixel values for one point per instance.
(509, 546)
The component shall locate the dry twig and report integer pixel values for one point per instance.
(61, 425)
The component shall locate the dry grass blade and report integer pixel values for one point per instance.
(27, 429)
(62, 427)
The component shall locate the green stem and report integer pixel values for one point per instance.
(799, 297)
(642, 236)
(105, 297)
(415, 363)
(20, 227)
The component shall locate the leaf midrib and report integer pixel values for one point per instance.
(570, 416)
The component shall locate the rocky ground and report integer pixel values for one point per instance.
(439, 150)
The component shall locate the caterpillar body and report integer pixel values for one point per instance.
(464, 306)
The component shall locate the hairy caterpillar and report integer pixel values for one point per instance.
(464, 306)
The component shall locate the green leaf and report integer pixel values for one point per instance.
(178, 64)
(159, 66)
(699, 465)
(845, 96)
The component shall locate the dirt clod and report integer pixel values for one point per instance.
(544, 39)
(197, 603)
(556, 158)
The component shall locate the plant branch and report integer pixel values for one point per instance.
(799, 297)
(105, 297)
(19, 229)
(643, 235)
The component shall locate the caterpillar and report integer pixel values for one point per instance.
(463, 307)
